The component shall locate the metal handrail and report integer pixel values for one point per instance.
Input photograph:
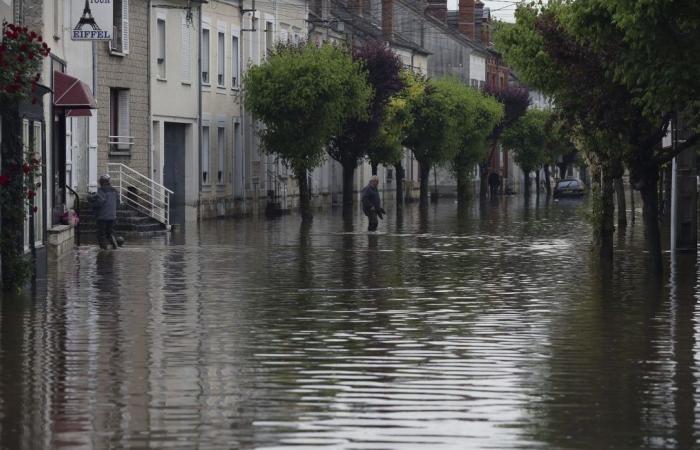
(141, 192)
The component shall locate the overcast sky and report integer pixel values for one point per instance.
(500, 9)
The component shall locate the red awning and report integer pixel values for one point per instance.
(71, 93)
(78, 113)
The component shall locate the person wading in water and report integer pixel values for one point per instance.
(371, 203)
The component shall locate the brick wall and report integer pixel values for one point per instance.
(130, 72)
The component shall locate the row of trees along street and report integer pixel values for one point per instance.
(359, 104)
(619, 73)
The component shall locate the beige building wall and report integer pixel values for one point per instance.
(222, 192)
(174, 83)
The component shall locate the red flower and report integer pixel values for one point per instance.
(35, 209)
(23, 47)
(40, 39)
(4, 180)
(32, 35)
(26, 168)
(31, 194)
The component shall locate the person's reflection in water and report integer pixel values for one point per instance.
(305, 266)
(348, 267)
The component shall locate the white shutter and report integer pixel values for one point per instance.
(186, 50)
(206, 179)
(284, 36)
(123, 124)
(125, 26)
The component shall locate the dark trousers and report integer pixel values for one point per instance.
(105, 231)
(373, 220)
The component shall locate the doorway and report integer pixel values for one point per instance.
(174, 144)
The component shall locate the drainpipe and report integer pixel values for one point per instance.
(199, 108)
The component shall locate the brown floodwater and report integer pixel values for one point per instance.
(490, 327)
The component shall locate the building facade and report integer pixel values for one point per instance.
(173, 156)
(221, 174)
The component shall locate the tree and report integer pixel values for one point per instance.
(477, 116)
(578, 77)
(515, 101)
(527, 139)
(559, 148)
(304, 95)
(348, 147)
(434, 136)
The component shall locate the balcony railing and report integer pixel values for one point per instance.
(141, 193)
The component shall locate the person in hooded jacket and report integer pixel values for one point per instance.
(105, 202)
(371, 203)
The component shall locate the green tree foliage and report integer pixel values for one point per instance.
(434, 137)
(354, 142)
(304, 95)
(527, 138)
(477, 116)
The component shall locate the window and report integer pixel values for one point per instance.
(296, 35)
(234, 61)
(205, 56)
(160, 50)
(269, 38)
(120, 29)
(221, 142)
(120, 139)
(205, 155)
(255, 42)
(186, 50)
(39, 198)
(221, 59)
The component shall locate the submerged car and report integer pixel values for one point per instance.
(569, 188)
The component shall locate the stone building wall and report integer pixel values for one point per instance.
(128, 71)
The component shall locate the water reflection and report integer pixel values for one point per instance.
(489, 325)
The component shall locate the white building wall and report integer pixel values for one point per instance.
(175, 92)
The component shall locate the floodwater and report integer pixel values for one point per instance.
(491, 327)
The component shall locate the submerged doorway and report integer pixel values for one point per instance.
(174, 144)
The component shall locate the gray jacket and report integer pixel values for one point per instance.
(106, 202)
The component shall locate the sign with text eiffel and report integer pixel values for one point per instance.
(92, 20)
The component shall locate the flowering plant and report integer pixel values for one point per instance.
(21, 54)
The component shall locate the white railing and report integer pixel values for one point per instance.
(141, 193)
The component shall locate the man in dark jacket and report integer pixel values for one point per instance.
(105, 202)
(371, 203)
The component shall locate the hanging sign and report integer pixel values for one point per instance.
(92, 20)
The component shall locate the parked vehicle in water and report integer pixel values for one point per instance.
(570, 187)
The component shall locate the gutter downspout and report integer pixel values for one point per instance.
(198, 172)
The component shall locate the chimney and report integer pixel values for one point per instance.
(465, 23)
(486, 33)
(437, 9)
(388, 18)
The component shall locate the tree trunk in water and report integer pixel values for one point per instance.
(621, 203)
(527, 184)
(424, 182)
(304, 196)
(483, 184)
(462, 187)
(399, 184)
(650, 216)
(348, 187)
(537, 182)
(633, 208)
(668, 188)
(607, 221)
(547, 181)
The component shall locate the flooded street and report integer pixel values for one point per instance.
(491, 327)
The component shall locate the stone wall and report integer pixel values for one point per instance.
(129, 71)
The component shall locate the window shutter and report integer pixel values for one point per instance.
(123, 124)
(125, 26)
(186, 50)
(284, 36)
